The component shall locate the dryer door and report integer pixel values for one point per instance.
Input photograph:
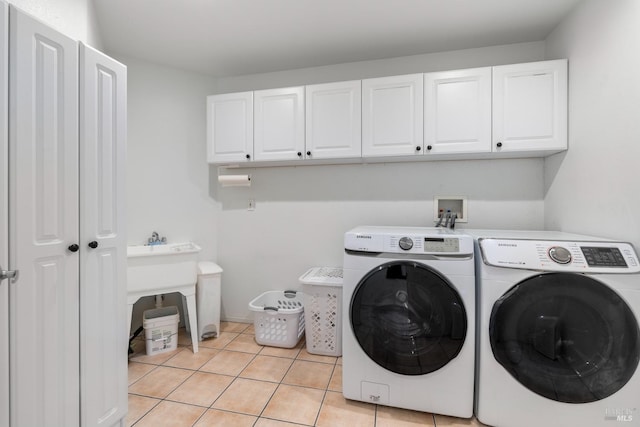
(567, 337)
(408, 318)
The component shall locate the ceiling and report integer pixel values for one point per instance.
(236, 37)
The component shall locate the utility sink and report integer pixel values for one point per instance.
(163, 269)
(156, 267)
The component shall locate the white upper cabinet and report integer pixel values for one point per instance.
(514, 110)
(279, 124)
(530, 106)
(333, 120)
(457, 111)
(230, 127)
(392, 116)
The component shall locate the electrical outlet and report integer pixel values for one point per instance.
(252, 205)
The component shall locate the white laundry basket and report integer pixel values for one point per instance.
(161, 329)
(279, 318)
(322, 287)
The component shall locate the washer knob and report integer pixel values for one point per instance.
(560, 255)
(405, 243)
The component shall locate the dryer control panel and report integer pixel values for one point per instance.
(548, 255)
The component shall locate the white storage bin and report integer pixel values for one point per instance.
(279, 318)
(322, 288)
(161, 329)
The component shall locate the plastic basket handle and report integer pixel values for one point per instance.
(290, 294)
(270, 308)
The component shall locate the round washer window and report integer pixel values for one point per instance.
(567, 337)
(408, 318)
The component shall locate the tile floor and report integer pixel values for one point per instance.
(232, 381)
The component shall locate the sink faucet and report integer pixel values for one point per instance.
(155, 239)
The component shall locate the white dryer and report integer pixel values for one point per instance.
(409, 319)
(558, 337)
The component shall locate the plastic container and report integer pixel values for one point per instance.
(161, 329)
(322, 288)
(279, 318)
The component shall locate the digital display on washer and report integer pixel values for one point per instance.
(603, 257)
(441, 244)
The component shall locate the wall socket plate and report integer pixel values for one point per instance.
(457, 205)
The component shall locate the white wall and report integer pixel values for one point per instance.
(302, 213)
(74, 18)
(167, 173)
(593, 187)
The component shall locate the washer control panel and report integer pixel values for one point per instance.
(409, 240)
(592, 257)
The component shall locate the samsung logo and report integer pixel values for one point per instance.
(363, 236)
(510, 245)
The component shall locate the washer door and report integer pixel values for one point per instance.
(566, 337)
(408, 318)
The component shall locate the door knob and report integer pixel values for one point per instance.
(8, 274)
(93, 244)
(73, 248)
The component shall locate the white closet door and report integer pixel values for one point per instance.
(4, 214)
(103, 330)
(43, 216)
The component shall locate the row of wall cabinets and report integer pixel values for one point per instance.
(507, 110)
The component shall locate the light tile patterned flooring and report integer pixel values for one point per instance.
(232, 381)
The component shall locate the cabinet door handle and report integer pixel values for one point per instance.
(299, 153)
(73, 248)
(93, 244)
(499, 144)
(308, 153)
(429, 147)
(248, 156)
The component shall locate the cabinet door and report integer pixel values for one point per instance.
(4, 213)
(530, 106)
(103, 330)
(333, 120)
(279, 124)
(392, 115)
(43, 224)
(458, 111)
(230, 127)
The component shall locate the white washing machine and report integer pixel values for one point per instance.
(558, 337)
(409, 319)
